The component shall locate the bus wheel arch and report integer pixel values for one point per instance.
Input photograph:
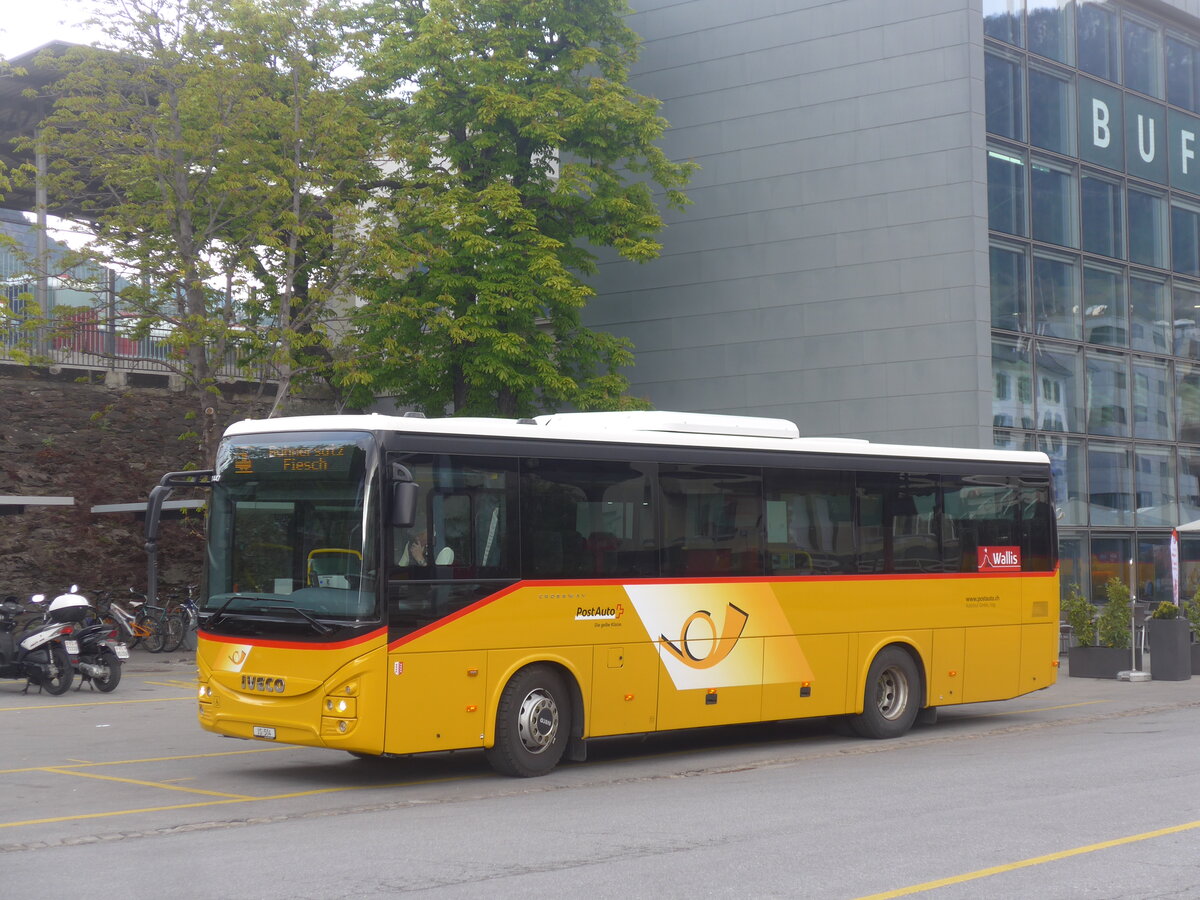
(537, 715)
(893, 693)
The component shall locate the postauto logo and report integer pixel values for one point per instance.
(585, 613)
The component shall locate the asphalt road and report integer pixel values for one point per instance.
(1088, 789)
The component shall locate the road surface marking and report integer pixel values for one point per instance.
(1035, 861)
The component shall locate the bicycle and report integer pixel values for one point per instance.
(144, 626)
(182, 622)
(122, 621)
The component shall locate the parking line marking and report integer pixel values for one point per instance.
(152, 759)
(118, 812)
(232, 799)
(92, 703)
(1017, 712)
(154, 784)
(1035, 861)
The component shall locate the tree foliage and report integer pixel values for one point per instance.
(454, 165)
(516, 149)
(219, 161)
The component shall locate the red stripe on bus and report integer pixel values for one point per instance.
(478, 604)
(293, 645)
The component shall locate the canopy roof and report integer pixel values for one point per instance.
(24, 101)
(12, 504)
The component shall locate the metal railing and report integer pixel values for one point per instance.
(91, 344)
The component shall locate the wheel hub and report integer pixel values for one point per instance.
(537, 721)
(893, 693)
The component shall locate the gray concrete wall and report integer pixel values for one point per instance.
(833, 267)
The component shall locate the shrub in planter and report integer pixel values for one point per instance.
(1080, 614)
(1165, 610)
(1191, 609)
(1112, 629)
(1113, 625)
(1170, 656)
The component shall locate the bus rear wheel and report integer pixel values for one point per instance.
(892, 697)
(533, 723)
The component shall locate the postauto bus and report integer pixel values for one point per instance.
(396, 585)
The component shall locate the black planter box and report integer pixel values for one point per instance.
(1170, 649)
(1196, 659)
(1099, 662)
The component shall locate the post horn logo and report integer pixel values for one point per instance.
(719, 647)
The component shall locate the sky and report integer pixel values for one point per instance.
(27, 24)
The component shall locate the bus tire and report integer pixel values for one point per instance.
(892, 697)
(533, 723)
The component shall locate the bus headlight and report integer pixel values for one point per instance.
(205, 694)
(341, 706)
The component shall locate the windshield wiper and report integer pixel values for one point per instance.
(321, 627)
(212, 618)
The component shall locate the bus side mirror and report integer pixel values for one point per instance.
(404, 504)
(404, 497)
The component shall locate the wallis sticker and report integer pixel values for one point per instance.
(999, 559)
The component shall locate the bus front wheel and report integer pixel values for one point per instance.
(892, 697)
(533, 723)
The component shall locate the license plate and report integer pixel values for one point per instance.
(72, 647)
(121, 650)
(264, 731)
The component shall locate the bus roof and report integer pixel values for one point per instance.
(657, 428)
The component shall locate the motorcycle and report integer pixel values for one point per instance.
(99, 655)
(38, 652)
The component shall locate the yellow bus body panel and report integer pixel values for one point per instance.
(650, 656)
(310, 694)
(624, 698)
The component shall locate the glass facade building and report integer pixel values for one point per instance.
(1093, 191)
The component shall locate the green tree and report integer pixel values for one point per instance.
(214, 152)
(516, 149)
(316, 153)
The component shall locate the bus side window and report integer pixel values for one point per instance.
(872, 548)
(465, 519)
(1038, 551)
(915, 525)
(712, 520)
(985, 511)
(809, 522)
(586, 518)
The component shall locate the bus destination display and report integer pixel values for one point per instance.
(289, 459)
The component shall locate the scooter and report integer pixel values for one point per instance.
(38, 652)
(99, 657)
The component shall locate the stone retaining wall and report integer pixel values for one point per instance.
(100, 445)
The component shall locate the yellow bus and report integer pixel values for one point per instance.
(399, 585)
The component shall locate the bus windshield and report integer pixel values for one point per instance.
(292, 534)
